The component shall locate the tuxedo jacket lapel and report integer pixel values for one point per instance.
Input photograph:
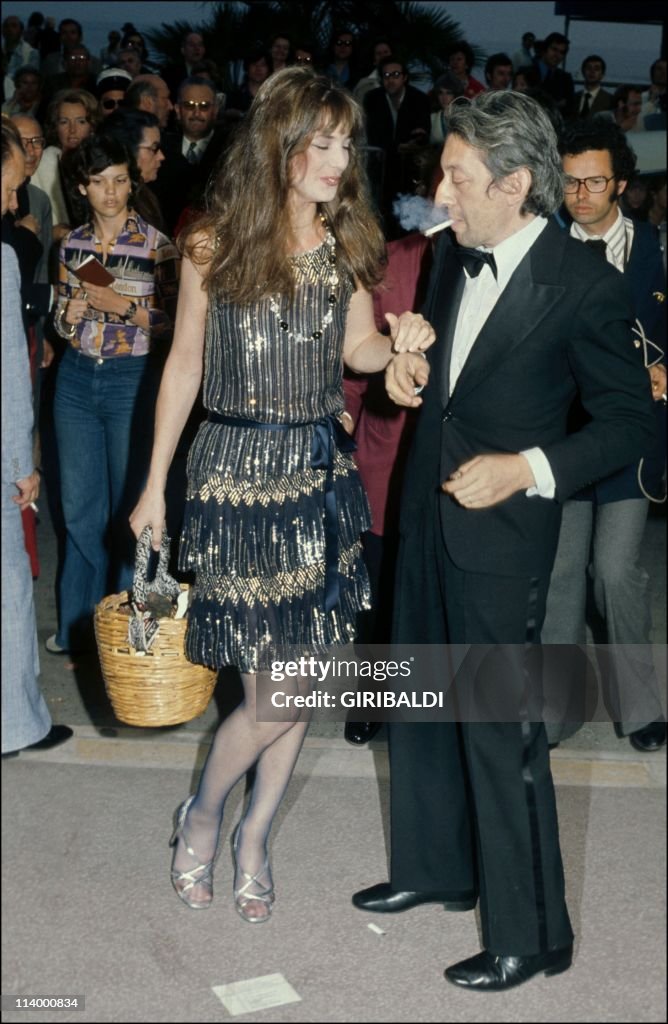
(441, 309)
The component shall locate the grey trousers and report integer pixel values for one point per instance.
(602, 543)
(25, 715)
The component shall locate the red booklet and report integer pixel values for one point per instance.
(91, 271)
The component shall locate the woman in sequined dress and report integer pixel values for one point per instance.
(274, 298)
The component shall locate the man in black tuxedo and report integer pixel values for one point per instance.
(525, 318)
(191, 155)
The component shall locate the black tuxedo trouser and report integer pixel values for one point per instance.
(473, 806)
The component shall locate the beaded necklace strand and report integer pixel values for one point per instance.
(332, 298)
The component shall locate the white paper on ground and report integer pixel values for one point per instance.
(376, 929)
(256, 994)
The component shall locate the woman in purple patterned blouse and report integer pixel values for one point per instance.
(107, 380)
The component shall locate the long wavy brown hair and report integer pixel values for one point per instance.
(246, 223)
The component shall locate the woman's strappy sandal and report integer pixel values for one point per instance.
(202, 874)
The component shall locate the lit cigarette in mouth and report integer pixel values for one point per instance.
(437, 227)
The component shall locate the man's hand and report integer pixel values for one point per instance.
(48, 355)
(405, 373)
(30, 222)
(489, 479)
(657, 375)
(28, 489)
(410, 332)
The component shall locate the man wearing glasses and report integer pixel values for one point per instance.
(34, 214)
(602, 527)
(398, 117)
(341, 68)
(77, 74)
(192, 153)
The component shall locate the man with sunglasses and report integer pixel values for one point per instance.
(78, 72)
(602, 527)
(111, 87)
(398, 116)
(192, 153)
(342, 59)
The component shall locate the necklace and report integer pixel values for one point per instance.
(332, 298)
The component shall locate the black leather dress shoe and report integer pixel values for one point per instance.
(651, 737)
(54, 737)
(381, 899)
(488, 973)
(361, 732)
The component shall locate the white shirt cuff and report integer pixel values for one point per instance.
(542, 474)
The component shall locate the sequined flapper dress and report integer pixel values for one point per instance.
(254, 527)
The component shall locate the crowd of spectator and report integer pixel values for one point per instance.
(174, 123)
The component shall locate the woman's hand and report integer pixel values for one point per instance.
(150, 511)
(105, 300)
(75, 309)
(410, 332)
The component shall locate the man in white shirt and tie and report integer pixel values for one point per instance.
(593, 99)
(191, 154)
(525, 318)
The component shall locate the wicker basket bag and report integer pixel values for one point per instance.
(160, 686)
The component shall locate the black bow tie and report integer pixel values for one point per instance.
(598, 246)
(473, 260)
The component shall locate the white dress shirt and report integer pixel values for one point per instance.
(618, 240)
(481, 295)
(200, 144)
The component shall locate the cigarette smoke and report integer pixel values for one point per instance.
(415, 213)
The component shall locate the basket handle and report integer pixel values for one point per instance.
(151, 569)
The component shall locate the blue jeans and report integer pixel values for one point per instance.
(103, 413)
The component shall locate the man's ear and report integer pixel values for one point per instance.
(517, 185)
(621, 188)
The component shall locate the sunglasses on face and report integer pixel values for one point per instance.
(110, 104)
(155, 148)
(304, 60)
(393, 74)
(344, 42)
(194, 105)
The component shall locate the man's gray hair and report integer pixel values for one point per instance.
(134, 93)
(513, 131)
